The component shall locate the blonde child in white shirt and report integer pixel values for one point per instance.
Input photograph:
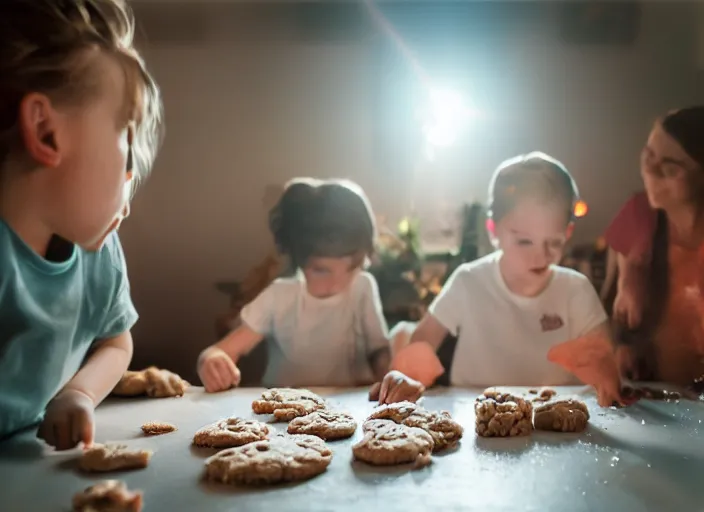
(323, 326)
(511, 307)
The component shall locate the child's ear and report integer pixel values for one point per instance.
(570, 230)
(491, 227)
(38, 126)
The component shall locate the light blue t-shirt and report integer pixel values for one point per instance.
(50, 316)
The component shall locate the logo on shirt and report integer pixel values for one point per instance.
(551, 322)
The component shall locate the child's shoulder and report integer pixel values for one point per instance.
(110, 254)
(567, 278)
(287, 283)
(478, 269)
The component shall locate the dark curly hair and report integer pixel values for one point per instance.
(317, 218)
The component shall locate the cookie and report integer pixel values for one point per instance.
(156, 428)
(324, 424)
(152, 382)
(562, 416)
(445, 431)
(282, 458)
(502, 415)
(386, 443)
(287, 403)
(107, 496)
(113, 457)
(230, 432)
(544, 395)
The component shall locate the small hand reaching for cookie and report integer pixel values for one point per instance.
(217, 370)
(397, 387)
(69, 420)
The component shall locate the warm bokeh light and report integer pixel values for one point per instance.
(580, 209)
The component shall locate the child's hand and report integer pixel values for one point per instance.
(418, 361)
(68, 420)
(591, 359)
(217, 371)
(397, 387)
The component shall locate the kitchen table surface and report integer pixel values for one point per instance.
(646, 457)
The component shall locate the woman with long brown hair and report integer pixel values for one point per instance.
(659, 238)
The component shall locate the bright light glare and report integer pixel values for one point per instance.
(445, 117)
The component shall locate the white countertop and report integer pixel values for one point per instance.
(647, 457)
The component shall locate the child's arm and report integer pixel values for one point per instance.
(591, 359)
(217, 364)
(376, 332)
(590, 354)
(430, 331)
(69, 415)
(444, 317)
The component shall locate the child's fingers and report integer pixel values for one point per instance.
(219, 381)
(62, 434)
(384, 389)
(82, 428)
(399, 393)
(228, 373)
(374, 392)
(232, 372)
(41, 431)
(210, 378)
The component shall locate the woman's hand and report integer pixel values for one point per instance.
(630, 298)
(217, 370)
(628, 308)
(627, 363)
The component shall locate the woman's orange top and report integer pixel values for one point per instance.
(678, 340)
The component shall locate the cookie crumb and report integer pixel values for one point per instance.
(113, 457)
(545, 395)
(156, 428)
(108, 496)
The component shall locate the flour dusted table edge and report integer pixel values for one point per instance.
(647, 457)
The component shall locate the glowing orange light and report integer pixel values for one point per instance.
(580, 209)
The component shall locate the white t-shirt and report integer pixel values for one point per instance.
(318, 342)
(504, 338)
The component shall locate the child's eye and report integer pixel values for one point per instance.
(524, 242)
(556, 244)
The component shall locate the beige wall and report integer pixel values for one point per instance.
(242, 115)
